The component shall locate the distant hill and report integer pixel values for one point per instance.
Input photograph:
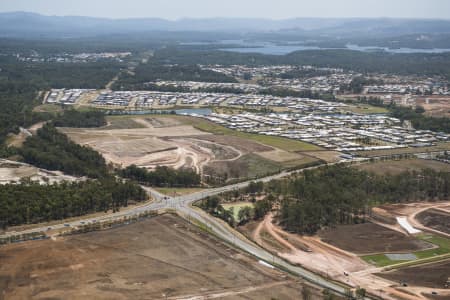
(23, 24)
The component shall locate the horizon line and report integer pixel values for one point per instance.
(229, 18)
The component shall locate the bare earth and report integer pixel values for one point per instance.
(148, 142)
(11, 172)
(153, 259)
(338, 260)
(433, 275)
(436, 219)
(371, 238)
(146, 146)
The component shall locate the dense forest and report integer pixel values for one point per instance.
(343, 195)
(30, 202)
(357, 84)
(364, 62)
(283, 92)
(419, 120)
(304, 73)
(154, 71)
(22, 82)
(52, 150)
(77, 119)
(162, 176)
(42, 76)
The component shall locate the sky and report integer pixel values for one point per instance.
(273, 9)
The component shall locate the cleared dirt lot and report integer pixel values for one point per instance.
(152, 259)
(125, 141)
(436, 219)
(11, 171)
(431, 275)
(149, 141)
(396, 167)
(371, 238)
(436, 106)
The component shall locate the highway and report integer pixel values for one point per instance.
(183, 205)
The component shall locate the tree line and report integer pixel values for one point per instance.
(77, 119)
(162, 176)
(156, 70)
(419, 120)
(335, 195)
(31, 202)
(22, 82)
(52, 150)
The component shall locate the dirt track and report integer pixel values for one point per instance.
(314, 254)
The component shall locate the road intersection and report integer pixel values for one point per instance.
(183, 206)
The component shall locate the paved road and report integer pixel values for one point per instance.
(183, 205)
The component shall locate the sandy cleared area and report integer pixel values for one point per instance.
(334, 262)
(310, 251)
(11, 172)
(159, 258)
(164, 141)
(146, 146)
(175, 131)
(436, 106)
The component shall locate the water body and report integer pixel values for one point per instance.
(398, 50)
(197, 111)
(274, 49)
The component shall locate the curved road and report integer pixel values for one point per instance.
(183, 205)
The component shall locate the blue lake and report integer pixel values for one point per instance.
(197, 111)
(274, 49)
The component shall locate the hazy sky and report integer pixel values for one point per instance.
(275, 9)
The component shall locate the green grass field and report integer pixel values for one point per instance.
(236, 207)
(381, 260)
(367, 109)
(443, 243)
